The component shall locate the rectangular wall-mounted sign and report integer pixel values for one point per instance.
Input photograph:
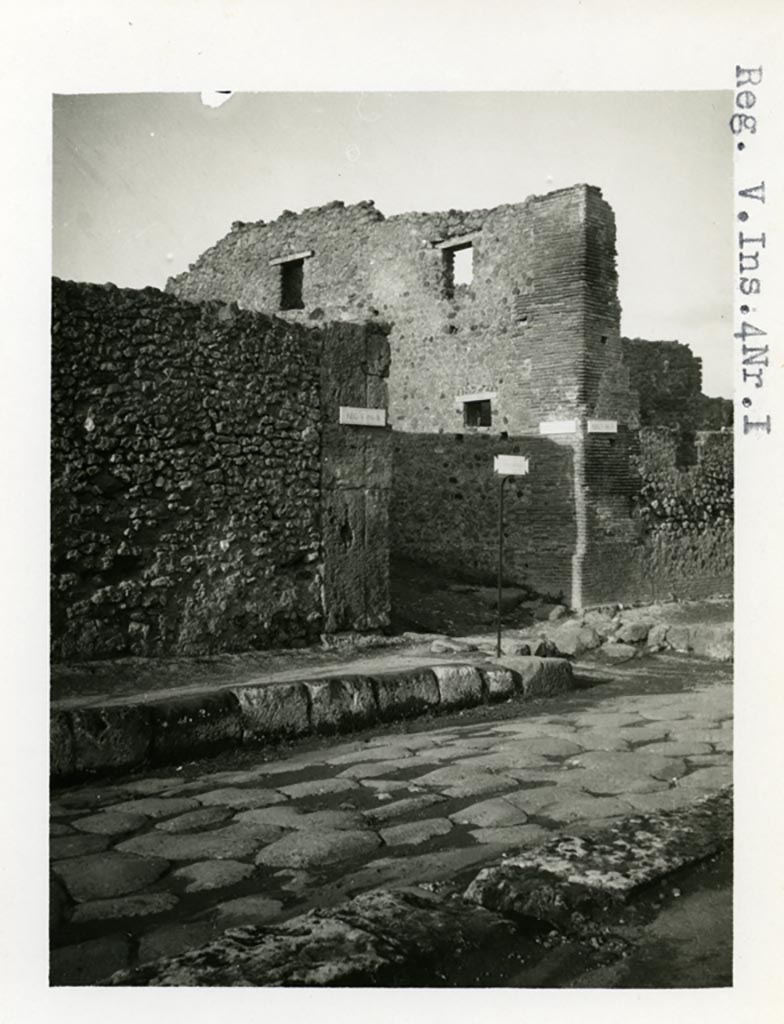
(359, 417)
(511, 465)
(558, 427)
(602, 426)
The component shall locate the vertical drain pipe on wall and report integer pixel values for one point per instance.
(580, 517)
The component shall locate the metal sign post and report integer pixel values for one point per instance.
(505, 466)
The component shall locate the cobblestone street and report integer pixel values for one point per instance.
(164, 861)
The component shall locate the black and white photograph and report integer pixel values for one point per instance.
(399, 448)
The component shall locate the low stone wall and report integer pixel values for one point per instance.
(203, 497)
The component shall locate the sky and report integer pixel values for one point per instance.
(145, 182)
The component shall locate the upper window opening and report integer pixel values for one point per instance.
(458, 260)
(291, 277)
(478, 414)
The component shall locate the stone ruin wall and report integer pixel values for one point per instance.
(203, 498)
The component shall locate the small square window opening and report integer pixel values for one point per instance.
(478, 414)
(291, 276)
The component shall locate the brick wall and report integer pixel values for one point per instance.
(200, 493)
(538, 326)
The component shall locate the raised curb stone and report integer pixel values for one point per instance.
(189, 724)
(459, 686)
(110, 737)
(337, 705)
(278, 710)
(406, 694)
(500, 683)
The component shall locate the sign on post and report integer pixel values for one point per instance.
(511, 465)
(360, 417)
(505, 466)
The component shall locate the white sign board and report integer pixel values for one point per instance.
(359, 417)
(511, 465)
(602, 426)
(558, 427)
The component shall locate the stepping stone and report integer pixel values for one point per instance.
(231, 843)
(317, 787)
(213, 874)
(105, 875)
(138, 905)
(290, 817)
(311, 849)
(240, 799)
(76, 846)
(110, 823)
(158, 806)
(195, 821)
(512, 835)
(247, 910)
(412, 833)
(490, 813)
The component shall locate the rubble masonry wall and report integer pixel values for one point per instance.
(200, 502)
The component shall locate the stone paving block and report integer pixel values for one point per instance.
(337, 705)
(456, 774)
(62, 759)
(110, 737)
(511, 835)
(317, 787)
(609, 783)
(667, 800)
(213, 874)
(110, 823)
(504, 759)
(291, 817)
(104, 875)
(405, 694)
(184, 725)
(157, 806)
(312, 848)
(413, 869)
(707, 780)
(150, 787)
(634, 765)
(172, 939)
(388, 752)
(400, 808)
(195, 821)
(90, 962)
(578, 806)
(138, 905)
(594, 739)
(501, 683)
(241, 799)
(387, 786)
(274, 711)
(246, 910)
(58, 902)
(459, 686)
(490, 813)
(62, 847)
(413, 833)
(678, 748)
(57, 828)
(376, 769)
(230, 843)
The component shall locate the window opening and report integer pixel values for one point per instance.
(478, 414)
(291, 277)
(458, 267)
